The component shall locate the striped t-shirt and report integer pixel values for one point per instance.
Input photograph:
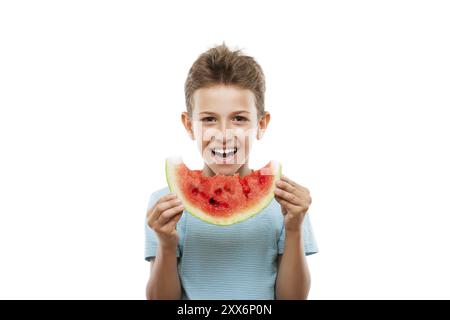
(229, 262)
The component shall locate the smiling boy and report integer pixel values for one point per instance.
(260, 258)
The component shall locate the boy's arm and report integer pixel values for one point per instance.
(164, 282)
(162, 217)
(293, 278)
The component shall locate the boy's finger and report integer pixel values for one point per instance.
(167, 197)
(286, 186)
(169, 213)
(163, 206)
(283, 208)
(287, 204)
(154, 212)
(290, 197)
(174, 220)
(284, 178)
(298, 187)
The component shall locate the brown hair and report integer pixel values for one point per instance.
(220, 65)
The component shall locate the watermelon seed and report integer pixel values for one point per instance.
(212, 201)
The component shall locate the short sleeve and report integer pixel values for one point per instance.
(309, 240)
(151, 240)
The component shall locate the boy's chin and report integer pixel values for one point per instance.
(227, 167)
(224, 169)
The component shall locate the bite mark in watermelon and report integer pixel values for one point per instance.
(221, 199)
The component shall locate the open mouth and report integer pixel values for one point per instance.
(223, 155)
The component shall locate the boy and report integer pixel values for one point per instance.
(260, 258)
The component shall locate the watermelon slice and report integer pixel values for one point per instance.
(222, 200)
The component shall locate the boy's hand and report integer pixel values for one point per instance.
(163, 218)
(294, 200)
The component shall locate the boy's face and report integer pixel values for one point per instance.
(224, 123)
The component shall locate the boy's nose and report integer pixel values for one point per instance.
(226, 138)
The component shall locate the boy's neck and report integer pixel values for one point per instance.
(243, 170)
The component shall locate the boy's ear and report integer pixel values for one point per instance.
(263, 122)
(187, 124)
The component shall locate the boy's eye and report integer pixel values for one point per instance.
(240, 118)
(208, 119)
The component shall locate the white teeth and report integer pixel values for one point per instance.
(224, 153)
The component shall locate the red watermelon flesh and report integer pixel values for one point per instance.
(220, 199)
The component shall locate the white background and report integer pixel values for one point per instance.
(90, 100)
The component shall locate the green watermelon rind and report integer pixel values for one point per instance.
(220, 221)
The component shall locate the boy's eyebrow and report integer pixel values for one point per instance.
(241, 111)
(236, 112)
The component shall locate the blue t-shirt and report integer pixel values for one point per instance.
(229, 262)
